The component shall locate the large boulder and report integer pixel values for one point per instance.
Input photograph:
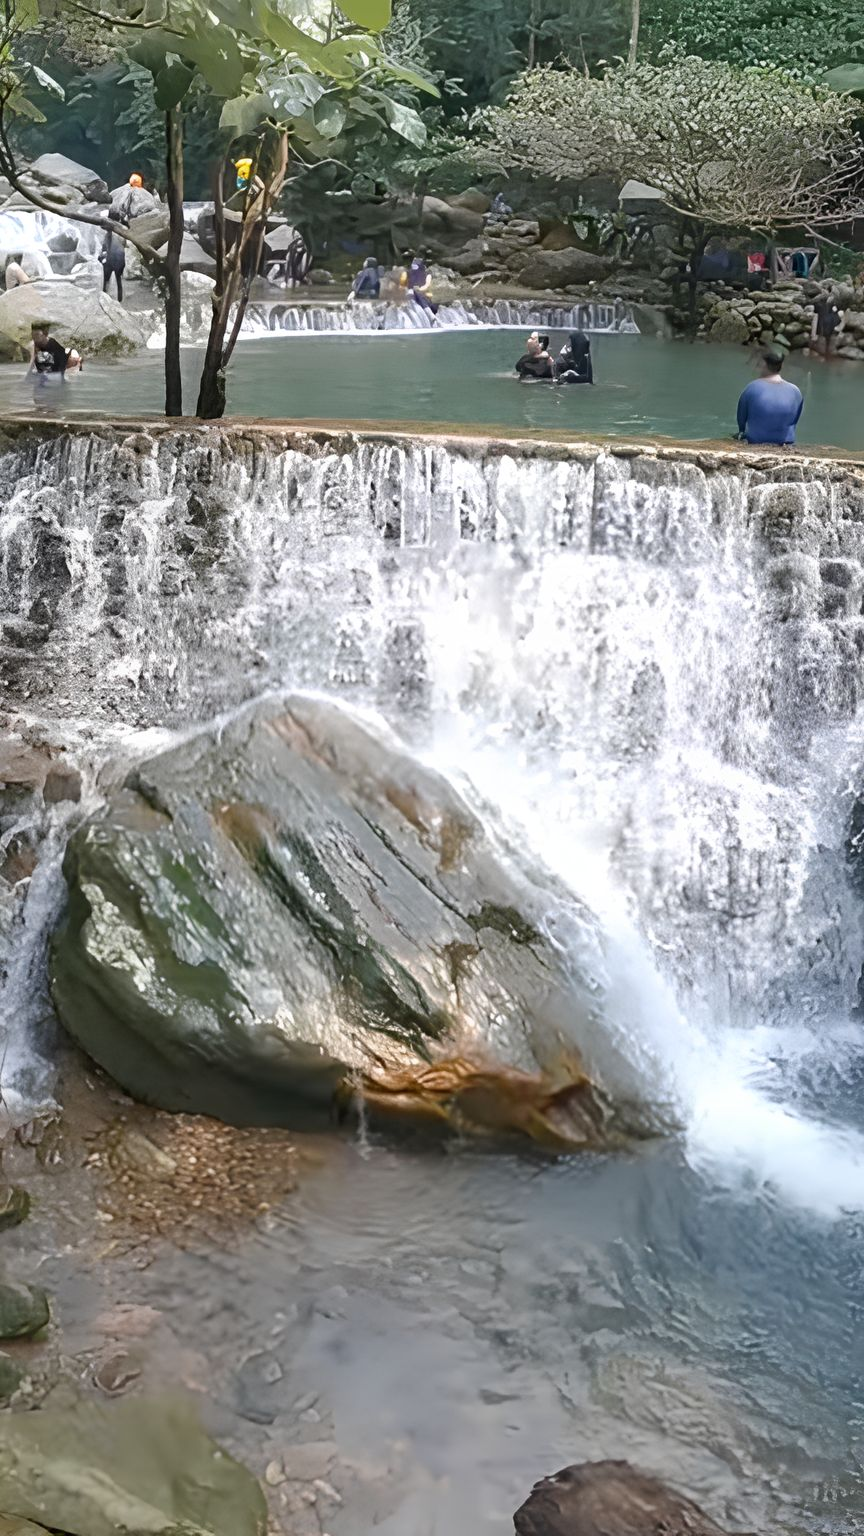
(134, 202)
(444, 220)
(295, 905)
(609, 1498)
(152, 228)
(471, 259)
(561, 269)
(131, 1469)
(59, 170)
(730, 326)
(93, 322)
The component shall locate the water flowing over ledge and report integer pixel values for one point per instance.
(611, 316)
(647, 663)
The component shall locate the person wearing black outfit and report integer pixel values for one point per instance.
(113, 259)
(828, 322)
(367, 283)
(574, 364)
(49, 362)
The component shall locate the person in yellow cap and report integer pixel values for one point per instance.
(243, 167)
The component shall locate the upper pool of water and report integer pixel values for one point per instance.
(644, 386)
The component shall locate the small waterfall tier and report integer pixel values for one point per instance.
(612, 316)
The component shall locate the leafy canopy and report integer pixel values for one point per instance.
(303, 67)
(805, 38)
(733, 148)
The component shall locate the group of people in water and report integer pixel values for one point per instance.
(769, 409)
(573, 364)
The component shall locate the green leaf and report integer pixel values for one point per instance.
(214, 52)
(22, 106)
(847, 79)
(330, 116)
(244, 114)
(345, 52)
(406, 122)
(293, 92)
(151, 50)
(171, 85)
(374, 14)
(411, 77)
(218, 57)
(286, 35)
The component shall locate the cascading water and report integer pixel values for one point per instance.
(277, 317)
(647, 666)
(50, 242)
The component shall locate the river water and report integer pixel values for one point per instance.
(646, 674)
(464, 377)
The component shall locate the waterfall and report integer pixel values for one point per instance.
(610, 316)
(51, 242)
(645, 663)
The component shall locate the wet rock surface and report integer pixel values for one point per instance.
(609, 1498)
(297, 909)
(144, 1468)
(24, 1310)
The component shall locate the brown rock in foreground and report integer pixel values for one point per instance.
(609, 1498)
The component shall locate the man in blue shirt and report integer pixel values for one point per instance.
(770, 408)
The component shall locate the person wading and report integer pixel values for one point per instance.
(770, 408)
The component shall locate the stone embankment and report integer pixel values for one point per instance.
(782, 316)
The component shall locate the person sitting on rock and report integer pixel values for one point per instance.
(15, 274)
(574, 365)
(367, 283)
(417, 280)
(770, 408)
(535, 362)
(113, 259)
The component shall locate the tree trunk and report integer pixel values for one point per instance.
(235, 273)
(211, 388)
(635, 18)
(700, 240)
(174, 164)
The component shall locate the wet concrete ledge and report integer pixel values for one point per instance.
(313, 436)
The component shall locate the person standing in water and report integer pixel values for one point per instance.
(828, 322)
(574, 365)
(770, 408)
(535, 362)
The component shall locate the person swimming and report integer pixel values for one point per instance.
(535, 362)
(574, 365)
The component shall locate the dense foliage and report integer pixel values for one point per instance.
(803, 37)
(728, 147)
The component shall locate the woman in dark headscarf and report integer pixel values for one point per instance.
(574, 364)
